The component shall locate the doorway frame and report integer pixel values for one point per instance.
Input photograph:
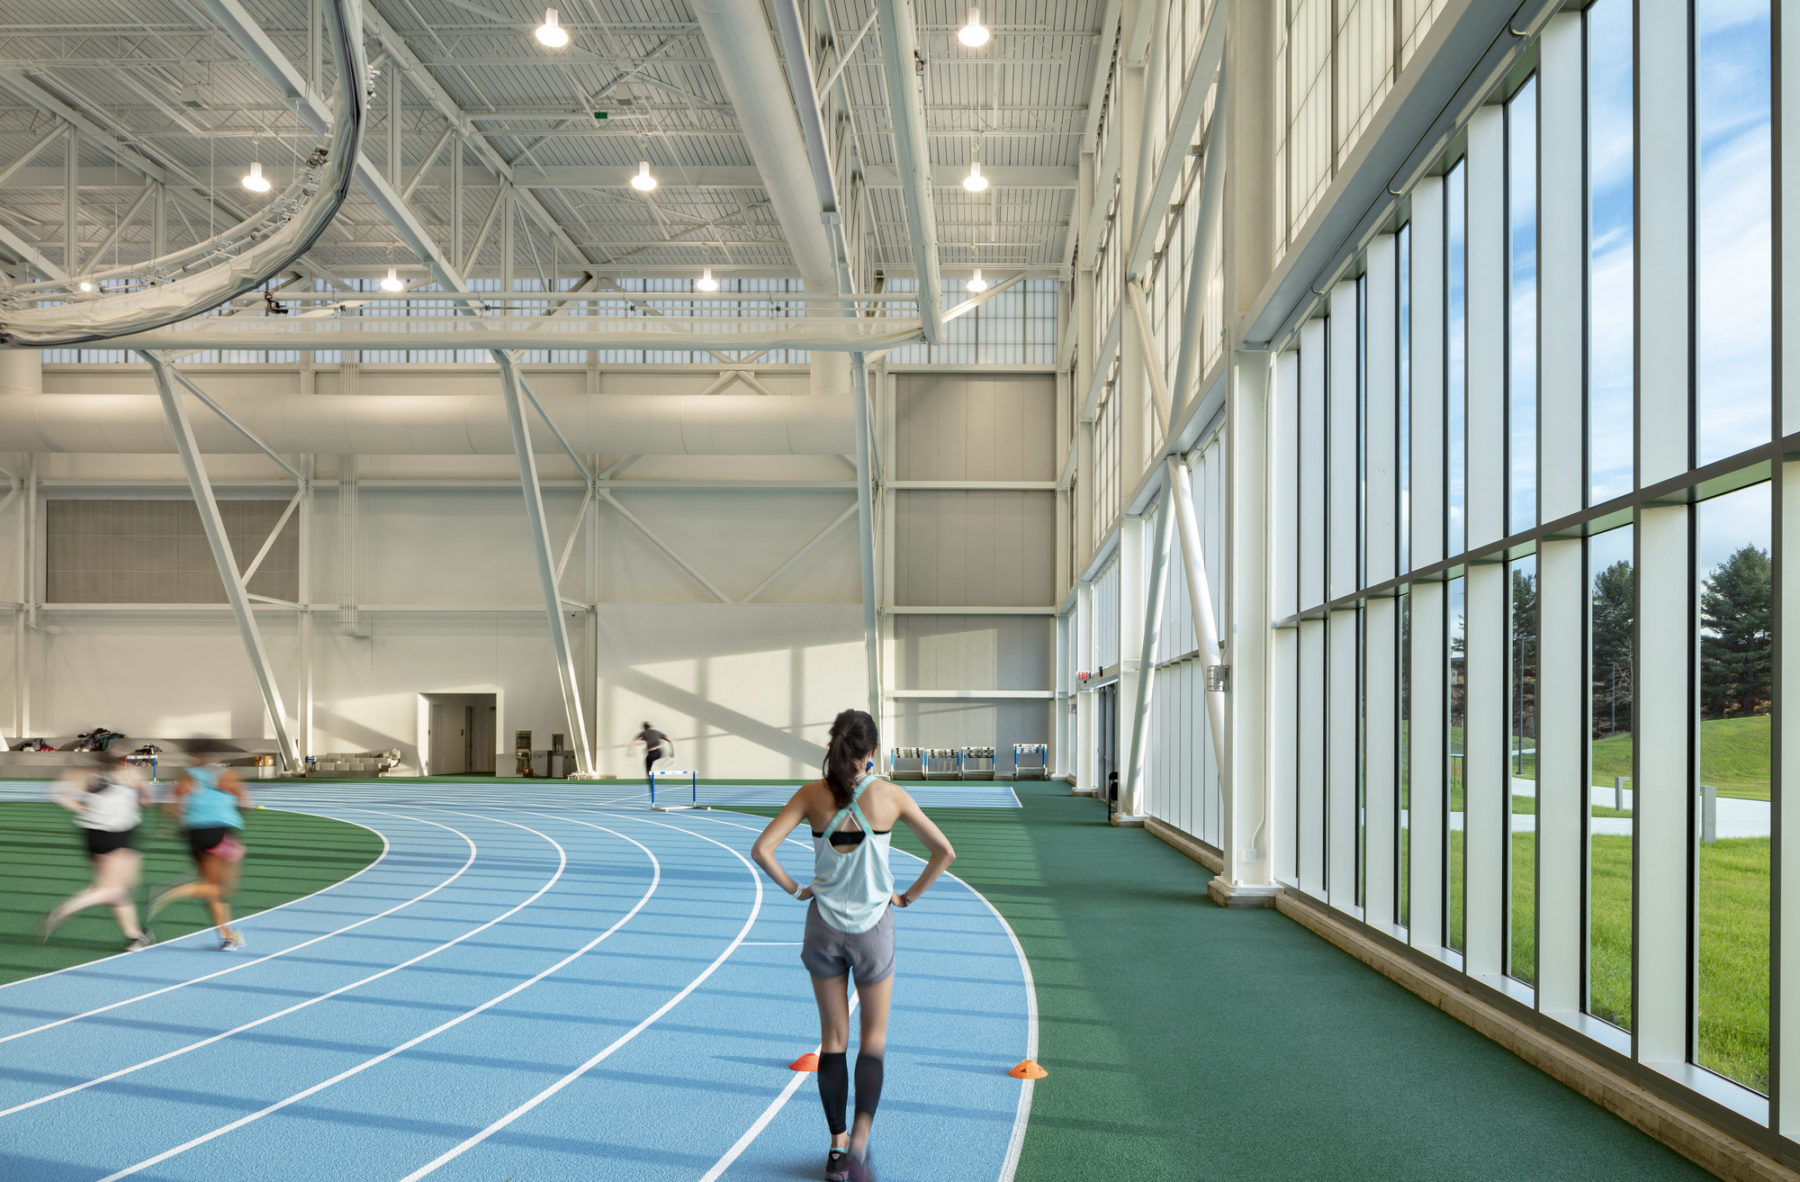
(422, 736)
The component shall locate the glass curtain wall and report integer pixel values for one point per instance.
(1567, 409)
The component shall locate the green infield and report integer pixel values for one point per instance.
(42, 862)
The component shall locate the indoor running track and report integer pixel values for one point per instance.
(534, 983)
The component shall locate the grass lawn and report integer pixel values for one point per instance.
(42, 862)
(1734, 757)
(1734, 942)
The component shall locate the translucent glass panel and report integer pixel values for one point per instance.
(1456, 352)
(1404, 755)
(1612, 589)
(1735, 609)
(1612, 360)
(1522, 815)
(1403, 404)
(1456, 813)
(1734, 192)
(1521, 308)
(1310, 133)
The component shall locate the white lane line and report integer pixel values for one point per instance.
(240, 1122)
(241, 965)
(1009, 1166)
(606, 1053)
(88, 964)
(772, 943)
(561, 864)
(768, 1114)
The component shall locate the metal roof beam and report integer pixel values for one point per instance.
(902, 68)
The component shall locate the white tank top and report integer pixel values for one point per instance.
(112, 806)
(852, 887)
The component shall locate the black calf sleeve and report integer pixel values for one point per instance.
(868, 1084)
(834, 1087)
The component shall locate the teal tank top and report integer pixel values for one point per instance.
(206, 806)
(852, 887)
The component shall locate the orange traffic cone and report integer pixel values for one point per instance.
(806, 1062)
(1028, 1069)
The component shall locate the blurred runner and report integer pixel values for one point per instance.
(208, 795)
(107, 797)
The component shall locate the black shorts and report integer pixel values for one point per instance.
(202, 841)
(105, 841)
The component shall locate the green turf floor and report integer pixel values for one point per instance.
(1187, 1042)
(43, 861)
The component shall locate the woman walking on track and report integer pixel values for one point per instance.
(208, 795)
(107, 800)
(850, 922)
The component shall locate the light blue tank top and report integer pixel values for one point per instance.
(853, 887)
(207, 807)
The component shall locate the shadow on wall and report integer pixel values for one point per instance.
(364, 738)
(709, 715)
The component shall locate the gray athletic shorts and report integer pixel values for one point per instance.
(829, 953)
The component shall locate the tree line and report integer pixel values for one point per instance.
(1736, 644)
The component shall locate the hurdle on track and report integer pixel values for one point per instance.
(693, 779)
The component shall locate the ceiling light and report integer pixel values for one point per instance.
(393, 282)
(254, 180)
(643, 182)
(975, 182)
(86, 285)
(706, 282)
(550, 34)
(974, 34)
(977, 283)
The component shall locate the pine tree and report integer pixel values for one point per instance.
(1736, 642)
(1612, 618)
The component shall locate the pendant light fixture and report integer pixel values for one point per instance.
(643, 182)
(974, 34)
(254, 180)
(551, 34)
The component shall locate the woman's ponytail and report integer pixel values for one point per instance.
(853, 736)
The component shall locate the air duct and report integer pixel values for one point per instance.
(439, 424)
(749, 66)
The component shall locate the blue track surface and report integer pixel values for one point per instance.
(535, 982)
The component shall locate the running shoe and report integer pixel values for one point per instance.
(231, 940)
(862, 1167)
(837, 1165)
(142, 942)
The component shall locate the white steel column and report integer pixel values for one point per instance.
(1381, 695)
(1786, 1010)
(1664, 277)
(1425, 775)
(511, 389)
(22, 372)
(1487, 795)
(1662, 780)
(1562, 255)
(1486, 321)
(1135, 545)
(1342, 491)
(1284, 594)
(1426, 503)
(1562, 687)
(1382, 380)
(1343, 725)
(1086, 741)
(214, 526)
(1343, 721)
(1131, 793)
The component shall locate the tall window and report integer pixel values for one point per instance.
(1612, 360)
(1521, 308)
(1733, 248)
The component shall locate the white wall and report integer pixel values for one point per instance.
(973, 547)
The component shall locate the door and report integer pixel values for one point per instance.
(449, 739)
(1107, 723)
